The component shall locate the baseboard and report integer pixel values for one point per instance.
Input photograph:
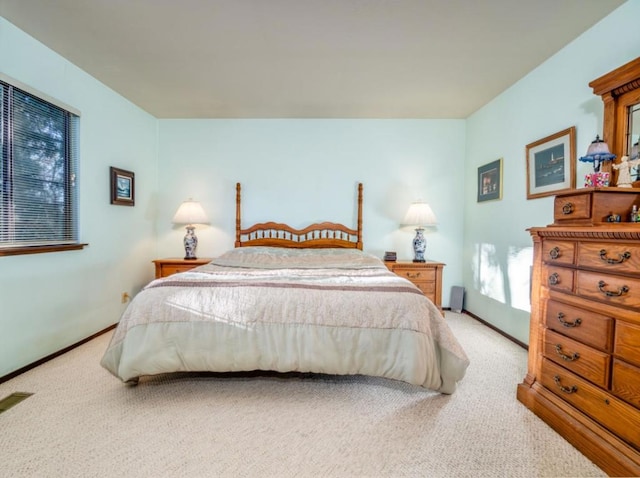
(26, 368)
(493, 327)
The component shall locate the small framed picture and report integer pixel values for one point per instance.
(551, 164)
(123, 187)
(490, 181)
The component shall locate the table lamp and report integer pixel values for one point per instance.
(190, 212)
(597, 153)
(419, 215)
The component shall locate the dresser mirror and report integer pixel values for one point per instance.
(620, 92)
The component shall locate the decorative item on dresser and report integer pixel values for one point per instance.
(427, 276)
(583, 375)
(173, 265)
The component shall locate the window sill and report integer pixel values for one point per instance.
(15, 251)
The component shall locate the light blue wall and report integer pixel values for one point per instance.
(302, 171)
(50, 301)
(553, 97)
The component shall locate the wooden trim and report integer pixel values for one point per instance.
(15, 251)
(618, 79)
(33, 365)
(319, 235)
(607, 451)
(619, 89)
(496, 329)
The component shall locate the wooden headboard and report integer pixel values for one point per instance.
(320, 235)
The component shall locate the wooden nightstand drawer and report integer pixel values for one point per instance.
(167, 267)
(415, 274)
(426, 276)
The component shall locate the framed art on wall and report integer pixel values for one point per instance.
(122, 187)
(551, 164)
(490, 181)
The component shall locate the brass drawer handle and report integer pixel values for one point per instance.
(575, 323)
(621, 257)
(567, 358)
(567, 208)
(621, 290)
(554, 279)
(573, 388)
(413, 276)
(555, 253)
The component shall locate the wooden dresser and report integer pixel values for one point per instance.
(427, 276)
(583, 375)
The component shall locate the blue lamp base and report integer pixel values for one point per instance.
(419, 246)
(190, 244)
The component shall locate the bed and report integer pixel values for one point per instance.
(288, 300)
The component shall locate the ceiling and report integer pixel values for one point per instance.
(307, 58)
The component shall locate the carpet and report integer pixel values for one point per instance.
(82, 422)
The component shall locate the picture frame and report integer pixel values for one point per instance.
(551, 164)
(122, 187)
(490, 181)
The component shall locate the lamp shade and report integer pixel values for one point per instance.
(597, 152)
(190, 212)
(419, 214)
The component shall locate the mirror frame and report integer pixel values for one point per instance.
(619, 90)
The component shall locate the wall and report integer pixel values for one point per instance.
(497, 248)
(50, 301)
(303, 171)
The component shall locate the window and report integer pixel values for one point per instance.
(38, 168)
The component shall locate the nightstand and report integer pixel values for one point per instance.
(173, 265)
(427, 276)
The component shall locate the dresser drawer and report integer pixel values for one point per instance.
(571, 207)
(611, 257)
(613, 413)
(625, 382)
(585, 326)
(627, 342)
(616, 290)
(558, 252)
(558, 278)
(415, 274)
(577, 357)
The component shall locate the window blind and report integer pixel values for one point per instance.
(38, 170)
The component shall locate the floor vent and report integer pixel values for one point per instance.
(9, 401)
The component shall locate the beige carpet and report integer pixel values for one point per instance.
(82, 422)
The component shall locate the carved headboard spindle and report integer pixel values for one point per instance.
(326, 234)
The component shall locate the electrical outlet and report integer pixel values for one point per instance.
(125, 297)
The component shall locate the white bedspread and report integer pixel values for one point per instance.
(334, 311)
